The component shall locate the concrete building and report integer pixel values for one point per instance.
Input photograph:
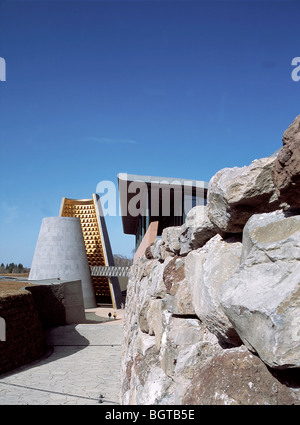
(149, 204)
(73, 244)
(60, 254)
(97, 245)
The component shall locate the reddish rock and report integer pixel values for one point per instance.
(148, 253)
(173, 273)
(237, 377)
(286, 168)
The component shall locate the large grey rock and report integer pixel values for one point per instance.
(262, 299)
(141, 360)
(190, 358)
(186, 345)
(236, 377)
(157, 288)
(155, 248)
(234, 194)
(196, 230)
(170, 239)
(157, 318)
(257, 221)
(265, 234)
(179, 333)
(158, 389)
(207, 269)
(146, 283)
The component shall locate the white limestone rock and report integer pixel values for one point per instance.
(196, 230)
(170, 239)
(234, 194)
(157, 389)
(207, 269)
(190, 359)
(157, 318)
(257, 220)
(179, 334)
(262, 299)
(156, 286)
(155, 248)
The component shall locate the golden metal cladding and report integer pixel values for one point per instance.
(85, 210)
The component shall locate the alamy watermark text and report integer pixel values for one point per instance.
(165, 197)
(2, 69)
(296, 71)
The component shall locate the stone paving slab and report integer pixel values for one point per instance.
(82, 367)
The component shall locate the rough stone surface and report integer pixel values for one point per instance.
(170, 239)
(286, 169)
(179, 300)
(236, 377)
(207, 269)
(235, 194)
(24, 341)
(262, 299)
(156, 248)
(190, 359)
(196, 230)
(213, 308)
(256, 221)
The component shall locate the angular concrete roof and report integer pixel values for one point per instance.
(151, 182)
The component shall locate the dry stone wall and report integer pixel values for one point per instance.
(24, 337)
(213, 307)
(25, 314)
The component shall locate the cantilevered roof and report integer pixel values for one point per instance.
(154, 179)
(152, 183)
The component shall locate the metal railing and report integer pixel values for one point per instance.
(110, 271)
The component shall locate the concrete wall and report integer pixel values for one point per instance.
(58, 303)
(60, 254)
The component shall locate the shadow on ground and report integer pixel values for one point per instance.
(66, 340)
(73, 343)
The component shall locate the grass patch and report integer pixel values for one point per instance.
(11, 285)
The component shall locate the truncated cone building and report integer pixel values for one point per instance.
(70, 245)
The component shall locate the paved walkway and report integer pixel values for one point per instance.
(81, 366)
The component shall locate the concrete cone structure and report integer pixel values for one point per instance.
(60, 254)
(97, 244)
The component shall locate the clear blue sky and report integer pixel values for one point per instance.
(166, 88)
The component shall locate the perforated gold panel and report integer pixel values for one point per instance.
(85, 210)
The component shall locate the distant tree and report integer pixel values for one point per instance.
(20, 268)
(13, 268)
(9, 267)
